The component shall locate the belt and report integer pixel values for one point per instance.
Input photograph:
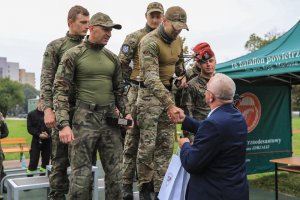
(134, 82)
(140, 83)
(168, 87)
(94, 107)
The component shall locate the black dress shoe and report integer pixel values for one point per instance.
(146, 190)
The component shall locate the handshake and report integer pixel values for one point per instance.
(175, 114)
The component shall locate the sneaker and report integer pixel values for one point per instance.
(30, 171)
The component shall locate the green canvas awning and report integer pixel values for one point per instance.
(279, 60)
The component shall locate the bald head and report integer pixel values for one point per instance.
(222, 87)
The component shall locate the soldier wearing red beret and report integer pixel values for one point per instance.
(193, 98)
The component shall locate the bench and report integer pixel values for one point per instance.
(14, 145)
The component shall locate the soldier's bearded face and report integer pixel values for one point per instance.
(154, 19)
(170, 30)
(80, 26)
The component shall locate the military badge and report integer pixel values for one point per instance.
(206, 56)
(125, 49)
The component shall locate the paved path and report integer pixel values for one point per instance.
(13, 163)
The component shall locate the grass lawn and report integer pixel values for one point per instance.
(296, 123)
(17, 128)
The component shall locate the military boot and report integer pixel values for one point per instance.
(156, 196)
(56, 197)
(146, 190)
(127, 192)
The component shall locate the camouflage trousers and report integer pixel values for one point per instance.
(156, 139)
(58, 178)
(131, 142)
(91, 132)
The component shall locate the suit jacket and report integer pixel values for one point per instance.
(36, 125)
(216, 160)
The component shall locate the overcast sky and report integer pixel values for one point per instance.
(28, 26)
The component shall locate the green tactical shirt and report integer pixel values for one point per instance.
(97, 76)
(129, 52)
(193, 98)
(159, 60)
(52, 56)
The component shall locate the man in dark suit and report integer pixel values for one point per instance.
(216, 159)
(41, 139)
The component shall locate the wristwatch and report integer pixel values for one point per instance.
(60, 126)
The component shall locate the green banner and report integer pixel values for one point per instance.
(267, 111)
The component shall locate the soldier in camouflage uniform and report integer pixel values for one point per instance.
(193, 71)
(128, 53)
(189, 74)
(159, 53)
(97, 75)
(193, 98)
(78, 18)
(3, 134)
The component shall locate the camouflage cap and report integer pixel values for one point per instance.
(155, 7)
(101, 19)
(178, 17)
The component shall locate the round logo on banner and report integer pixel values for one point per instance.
(250, 107)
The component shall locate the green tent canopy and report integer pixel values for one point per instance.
(280, 60)
(263, 79)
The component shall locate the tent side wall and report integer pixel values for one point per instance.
(266, 108)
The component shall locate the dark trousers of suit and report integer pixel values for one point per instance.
(39, 147)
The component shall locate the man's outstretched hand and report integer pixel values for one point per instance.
(175, 114)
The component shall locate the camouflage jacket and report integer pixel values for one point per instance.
(3, 129)
(193, 98)
(84, 55)
(52, 56)
(193, 72)
(129, 52)
(158, 57)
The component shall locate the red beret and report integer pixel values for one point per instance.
(204, 51)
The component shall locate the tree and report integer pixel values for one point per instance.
(29, 93)
(296, 97)
(255, 42)
(11, 94)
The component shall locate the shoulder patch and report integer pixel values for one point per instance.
(125, 49)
